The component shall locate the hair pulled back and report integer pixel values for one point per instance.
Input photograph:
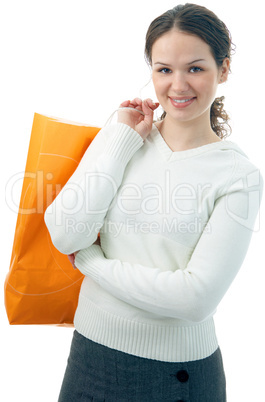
(197, 20)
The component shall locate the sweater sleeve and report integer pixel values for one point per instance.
(76, 215)
(192, 293)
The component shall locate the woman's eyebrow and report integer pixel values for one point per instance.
(167, 64)
(195, 61)
(163, 64)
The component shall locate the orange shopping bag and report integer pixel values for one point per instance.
(42, 287)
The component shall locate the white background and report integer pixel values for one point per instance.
(79, 60)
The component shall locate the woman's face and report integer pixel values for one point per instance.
(185, 75)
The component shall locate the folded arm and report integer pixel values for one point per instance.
(193, 293)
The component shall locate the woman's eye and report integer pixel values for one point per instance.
(164, 70)
(195, 69)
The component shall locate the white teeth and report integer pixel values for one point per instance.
(182, 101)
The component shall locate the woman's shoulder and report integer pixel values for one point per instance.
(246, 174)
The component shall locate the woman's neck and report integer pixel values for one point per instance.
(181, 136)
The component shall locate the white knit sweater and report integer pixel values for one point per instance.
(174, 228)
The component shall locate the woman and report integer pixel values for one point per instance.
(171, 203)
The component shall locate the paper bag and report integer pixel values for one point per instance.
(42, 287)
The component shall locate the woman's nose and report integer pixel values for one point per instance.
(179, 83)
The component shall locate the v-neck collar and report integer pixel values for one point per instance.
(171, 156)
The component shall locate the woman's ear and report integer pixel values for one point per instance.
(224, 70)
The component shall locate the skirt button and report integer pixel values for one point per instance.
(182, 376)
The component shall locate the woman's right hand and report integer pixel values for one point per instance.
(140, 123)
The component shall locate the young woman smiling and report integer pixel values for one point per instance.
(144, 321)
(186, 77)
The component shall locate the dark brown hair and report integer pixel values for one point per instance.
(199, 21)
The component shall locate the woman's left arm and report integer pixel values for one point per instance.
(193, 293)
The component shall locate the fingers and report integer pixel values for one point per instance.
(125, 103)
(154, 105)
(138, 103)
(148, 108)
(141, 124)
(135, 103)
(148, 112)
(71, 258)
(151, 104)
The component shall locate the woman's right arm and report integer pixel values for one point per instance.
(76, 215)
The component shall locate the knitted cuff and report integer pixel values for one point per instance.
(90, 262)
(125, 143)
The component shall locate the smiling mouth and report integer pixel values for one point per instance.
(182, 103)
(182, 100)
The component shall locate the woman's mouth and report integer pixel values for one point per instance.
(181, 103)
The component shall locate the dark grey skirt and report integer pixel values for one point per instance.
(97, 373)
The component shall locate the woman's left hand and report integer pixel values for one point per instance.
(71, 257)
